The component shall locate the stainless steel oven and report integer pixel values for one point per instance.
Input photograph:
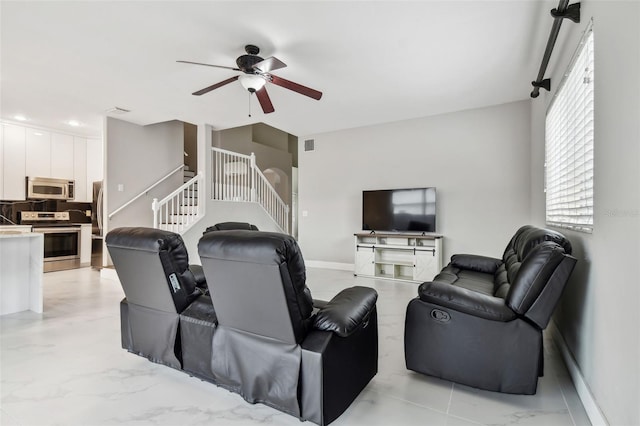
(61, 247)
(61, 240)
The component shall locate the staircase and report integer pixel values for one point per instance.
(234, 177)
(181, 209)
(190, 199)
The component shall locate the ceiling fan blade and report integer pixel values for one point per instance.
(215, 86)
(209, 65)
(269, 64)
(265, 101)
(303, 90)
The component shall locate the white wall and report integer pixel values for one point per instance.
(598, 314)
(478, 160)
(137, 157)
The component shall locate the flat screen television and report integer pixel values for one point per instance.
(399, 210)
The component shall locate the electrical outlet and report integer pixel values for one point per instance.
(120, 187)
(87, 213)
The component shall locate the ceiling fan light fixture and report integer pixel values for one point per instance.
(252, 82)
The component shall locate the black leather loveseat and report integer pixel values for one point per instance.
(480, 321)
(258, 332)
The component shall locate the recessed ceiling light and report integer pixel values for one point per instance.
(37, 133)
(73, 123)
(20, 117)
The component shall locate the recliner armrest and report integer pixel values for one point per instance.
(473, 262)
(347, 311)
(198, 274)
(467, 301)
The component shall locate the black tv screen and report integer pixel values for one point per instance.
(399, 210)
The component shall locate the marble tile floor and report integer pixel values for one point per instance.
(66, 367)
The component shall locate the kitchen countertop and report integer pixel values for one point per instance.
(7, 231)
(14, 234)
(18, 228)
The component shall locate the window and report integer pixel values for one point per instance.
(569, 145)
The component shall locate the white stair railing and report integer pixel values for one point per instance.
(236, 177)
(179, 210)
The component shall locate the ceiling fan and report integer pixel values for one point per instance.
(257, 72)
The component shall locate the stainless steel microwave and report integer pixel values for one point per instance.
(40, 188)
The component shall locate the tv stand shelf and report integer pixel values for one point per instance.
(415, 257)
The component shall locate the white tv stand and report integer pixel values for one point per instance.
(411, 257)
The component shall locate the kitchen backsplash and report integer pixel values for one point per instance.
(77, 211)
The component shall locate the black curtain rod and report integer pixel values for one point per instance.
(571, 12)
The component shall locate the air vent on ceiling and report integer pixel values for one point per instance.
(308, 145)
(117, 110)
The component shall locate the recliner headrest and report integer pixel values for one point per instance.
(153, 240)
(229, 226)
(165, 246)
(528, 237)
(532, 237)
(248, 246)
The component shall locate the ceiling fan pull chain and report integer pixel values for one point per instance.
(249, 104)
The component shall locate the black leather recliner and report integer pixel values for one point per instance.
(230, 226)
(480, 321)
(270, 342)
(158, 282)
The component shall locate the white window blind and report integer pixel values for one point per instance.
(569, 145)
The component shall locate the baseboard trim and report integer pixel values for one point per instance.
(584, 393)
(329, 265)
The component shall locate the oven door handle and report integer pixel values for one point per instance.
(56, 230)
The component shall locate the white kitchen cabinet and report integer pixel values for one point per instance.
(33, 152)
(13, 164)
(38, 153)
(80, 170)
(62, 153)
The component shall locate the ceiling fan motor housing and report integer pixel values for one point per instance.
(246, 63)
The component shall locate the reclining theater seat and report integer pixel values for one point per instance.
(230, 226)
(480, 321)
(153, 268)
(271, 344)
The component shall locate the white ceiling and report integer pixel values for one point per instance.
(375, 61)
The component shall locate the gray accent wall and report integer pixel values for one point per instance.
(137, 157)
(477, 159)
(191, 146)
(598, 316)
